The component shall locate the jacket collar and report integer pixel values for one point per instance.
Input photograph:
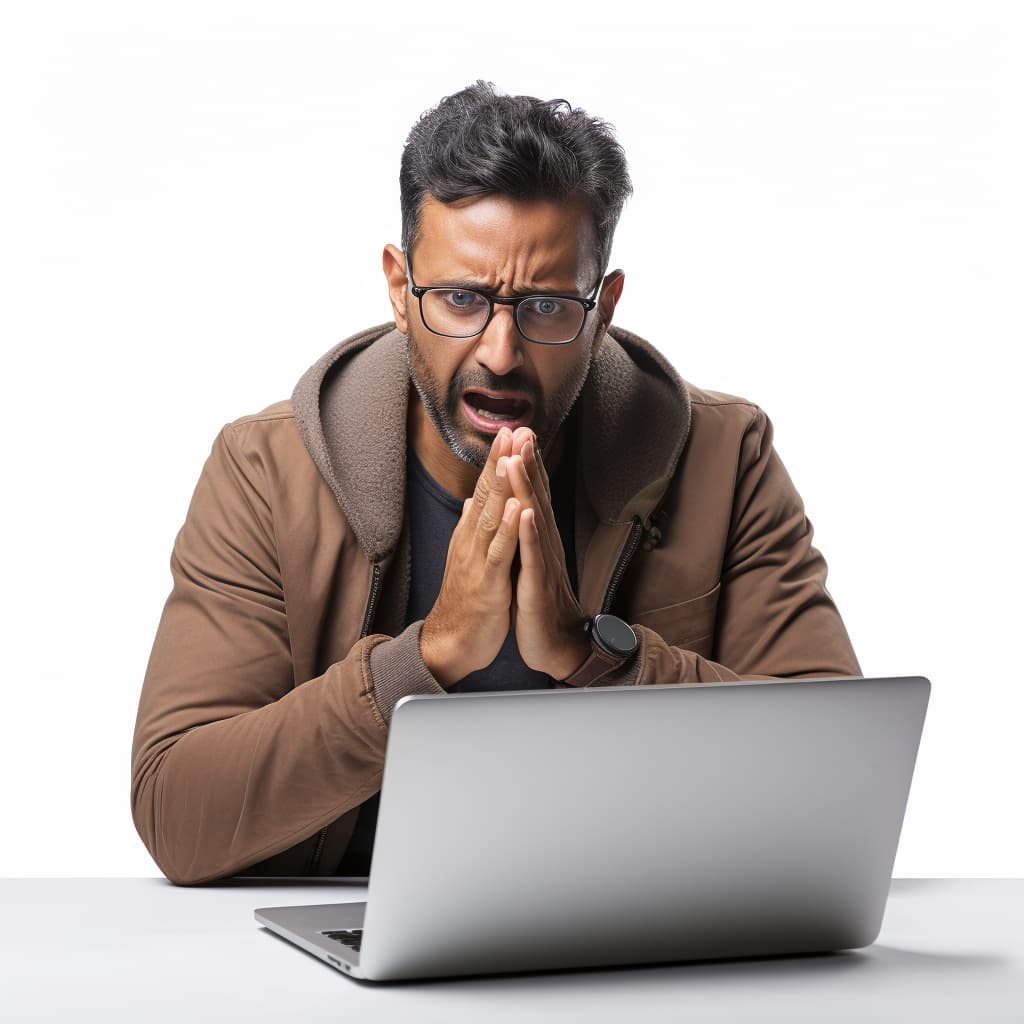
(350, 409)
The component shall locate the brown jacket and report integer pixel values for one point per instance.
(282, 648)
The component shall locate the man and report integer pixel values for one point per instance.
(448, 502)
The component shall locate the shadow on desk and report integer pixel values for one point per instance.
(899, 885)
(259, 881)
(284, 881)
(873, 961)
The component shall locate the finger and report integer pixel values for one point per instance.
(535, 464)
(548, 527)
(466, 523)
(489, 519)
(467, 507)
(519, 437)
(531, 553)
(460, 527)
(536, 576)
(520, 482)
(502, 548)
(550, 543)
(504, 442)
(501, 447)
(522, 485)
(522, 437)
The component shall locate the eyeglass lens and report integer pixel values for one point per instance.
(542, 318)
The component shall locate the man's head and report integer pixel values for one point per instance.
(508, 195)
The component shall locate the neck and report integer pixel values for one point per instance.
(458, 478)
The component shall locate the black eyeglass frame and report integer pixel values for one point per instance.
(419, 291)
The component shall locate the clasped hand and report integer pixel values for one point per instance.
(482, 596)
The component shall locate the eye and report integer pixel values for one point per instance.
(462, 299)
(546, 306)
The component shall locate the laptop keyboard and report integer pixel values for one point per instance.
(351, 937)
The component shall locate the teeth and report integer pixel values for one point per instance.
(492, 415)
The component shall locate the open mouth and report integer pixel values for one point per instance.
(489, 413)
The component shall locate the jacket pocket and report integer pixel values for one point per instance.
(689, 624)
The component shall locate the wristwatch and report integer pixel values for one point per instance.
(612, 643)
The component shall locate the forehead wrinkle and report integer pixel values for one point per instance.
(489, 244)
(528, 265)
(511, 270)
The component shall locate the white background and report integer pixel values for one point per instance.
(827, 220)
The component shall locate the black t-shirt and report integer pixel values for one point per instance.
(433, 516)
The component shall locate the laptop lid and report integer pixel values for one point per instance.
(560, 828)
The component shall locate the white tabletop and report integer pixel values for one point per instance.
(144, 950)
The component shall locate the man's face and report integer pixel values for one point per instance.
(504, 246)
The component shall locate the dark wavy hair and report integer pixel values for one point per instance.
(479, 141)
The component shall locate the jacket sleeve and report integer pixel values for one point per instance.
(232, 760)
(775, 617)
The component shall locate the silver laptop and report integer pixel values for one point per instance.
(542, 829)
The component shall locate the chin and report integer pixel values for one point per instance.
(468, 453)
(466, 448)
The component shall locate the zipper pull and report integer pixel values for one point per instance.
(652, 533)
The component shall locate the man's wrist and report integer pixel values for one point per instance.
(576, 651)
(432, 651)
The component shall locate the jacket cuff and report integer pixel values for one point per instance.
(625, 675)
(397, 670)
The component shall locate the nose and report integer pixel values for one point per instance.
(500, 347)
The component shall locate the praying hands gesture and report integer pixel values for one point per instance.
(480, 600)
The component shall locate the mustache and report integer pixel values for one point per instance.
(492, 382)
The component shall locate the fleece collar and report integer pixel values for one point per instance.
(350, 408)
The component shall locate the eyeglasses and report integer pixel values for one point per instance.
(544, 319)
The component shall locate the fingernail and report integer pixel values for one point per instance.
(502, 466)
(528, 448)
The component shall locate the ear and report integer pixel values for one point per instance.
(394, 271)
(611, 290)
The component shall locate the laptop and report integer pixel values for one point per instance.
(548, 829)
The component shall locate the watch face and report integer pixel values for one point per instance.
(614, 635)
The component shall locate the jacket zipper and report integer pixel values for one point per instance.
(636, 534)
(371, 606)
(628, 550)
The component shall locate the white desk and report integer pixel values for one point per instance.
(143, 950)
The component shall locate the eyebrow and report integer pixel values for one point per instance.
(479, 286)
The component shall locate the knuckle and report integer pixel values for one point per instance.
(482, 494)
(489, 522)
